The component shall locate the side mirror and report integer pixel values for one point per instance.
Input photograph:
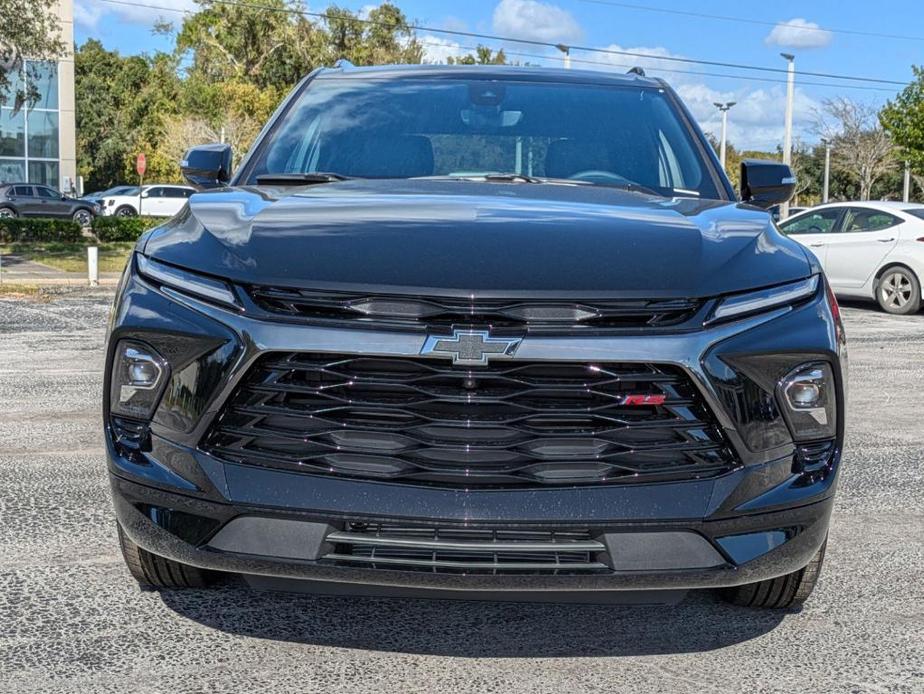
(766, 183)
(207, 166)
(145, 194)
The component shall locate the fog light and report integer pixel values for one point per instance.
(138, 378)
(143, 374)
(806, 390)
(809, 400)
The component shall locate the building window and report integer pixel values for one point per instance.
(12, 170)
(12, 133)
(29, 137)
(45, 77)
(44, 172)
(43, 134)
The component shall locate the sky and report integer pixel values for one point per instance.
(833, 37)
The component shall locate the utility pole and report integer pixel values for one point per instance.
(906, 192)
(787, 138)
(724, 109)
(827, 180)
(566, 58)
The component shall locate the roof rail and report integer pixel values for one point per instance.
(343, 64)
(636, 71)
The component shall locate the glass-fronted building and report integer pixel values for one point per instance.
(37, 141)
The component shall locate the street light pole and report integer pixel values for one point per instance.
(787, 138)
(827, 180)
(906, 191)
(724, 109)
(566, 58)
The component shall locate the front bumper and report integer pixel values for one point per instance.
(168, 524)
(764, 519)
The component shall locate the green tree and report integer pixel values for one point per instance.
(28, 29)
(483, 56)
(903, 118)
(861, 147)
(122, 104)
(238, 61)
(242, 41)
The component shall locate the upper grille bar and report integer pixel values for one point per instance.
(410, 311)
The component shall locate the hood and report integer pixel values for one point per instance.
(456, 237)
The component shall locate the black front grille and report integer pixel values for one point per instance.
(424, 421)
(409, 311)
(466, 550)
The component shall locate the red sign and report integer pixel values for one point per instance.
(141, 164)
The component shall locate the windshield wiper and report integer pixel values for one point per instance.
(299, 179)
(632, 187)
(502, 177)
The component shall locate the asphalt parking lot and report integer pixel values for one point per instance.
(72, 620)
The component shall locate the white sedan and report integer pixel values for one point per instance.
(869, 250)
(150, 200)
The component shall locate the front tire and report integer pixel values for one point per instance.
(154, 571)
(898, 291)
(126, 211)
(7, 213)
(83, 217)
(789, 591)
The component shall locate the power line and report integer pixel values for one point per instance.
(507, 39)
(748, 20)
(585, 61)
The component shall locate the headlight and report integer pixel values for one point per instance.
(187, 282)
(139, 375)
(765, 299)
(809, 401)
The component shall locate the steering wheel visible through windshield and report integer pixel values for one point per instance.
(603, 134)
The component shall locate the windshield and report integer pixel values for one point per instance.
(407, 128)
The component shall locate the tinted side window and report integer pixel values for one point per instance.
(820, 222)
(916, 212)
(46, 193)
(175, 193)
(22, 191)
(155, 192)
(864, 219)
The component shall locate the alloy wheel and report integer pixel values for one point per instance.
(7, 213)
(896, 289)
(82, 217)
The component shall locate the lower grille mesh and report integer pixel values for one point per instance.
(426, 421)
(465, 550)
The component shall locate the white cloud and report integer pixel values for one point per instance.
(658, 60)
(756, 121)
(537, 21)
(798, 33)
(437, 49)
(87, 13)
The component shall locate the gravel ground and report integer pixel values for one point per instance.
(71, 619)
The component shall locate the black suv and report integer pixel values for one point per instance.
(478, 329)
(33, 200)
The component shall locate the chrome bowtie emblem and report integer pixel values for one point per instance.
(470, 347)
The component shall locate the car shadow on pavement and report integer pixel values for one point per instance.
(475, 629)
